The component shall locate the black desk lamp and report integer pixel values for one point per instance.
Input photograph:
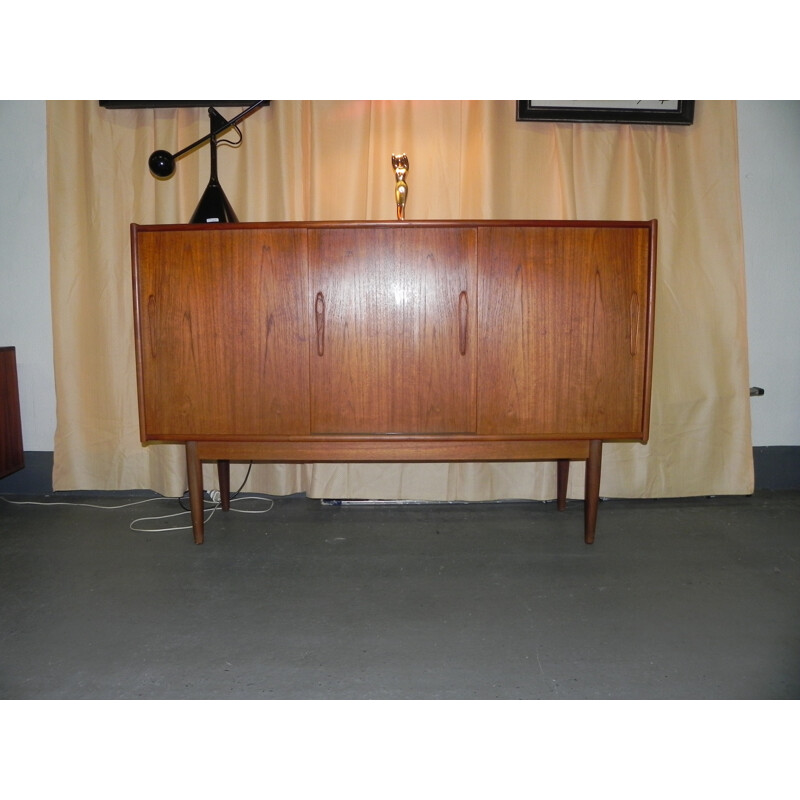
(213, 205)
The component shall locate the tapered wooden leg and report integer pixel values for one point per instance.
(224, 472)
(562, 478)
(194, 471)
(592, 496)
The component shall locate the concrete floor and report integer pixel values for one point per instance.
(693, 599)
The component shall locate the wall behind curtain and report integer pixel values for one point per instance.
(315, 160)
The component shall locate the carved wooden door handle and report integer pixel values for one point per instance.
(319, 316)
(634, 323)
(463, 320)
(151, 319)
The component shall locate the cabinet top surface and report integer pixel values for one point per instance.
(450, 223)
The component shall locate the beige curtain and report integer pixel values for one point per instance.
(310, 160)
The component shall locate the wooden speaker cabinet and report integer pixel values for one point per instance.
(394, 341)
(12, 456)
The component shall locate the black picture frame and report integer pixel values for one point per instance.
(640, 112)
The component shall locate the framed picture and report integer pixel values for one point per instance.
(643, 112)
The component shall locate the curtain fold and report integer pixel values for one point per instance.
(331, 160)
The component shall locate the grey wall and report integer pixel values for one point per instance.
(769, 164)
(25, 265)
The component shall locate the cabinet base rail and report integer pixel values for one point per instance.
(223, 453)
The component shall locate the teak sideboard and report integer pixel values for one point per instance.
(394, 341)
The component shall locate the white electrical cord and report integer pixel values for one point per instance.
(206, 518)
(85, 505)
(214, 495)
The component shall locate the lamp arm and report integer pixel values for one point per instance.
(229, 124)
(162, 163)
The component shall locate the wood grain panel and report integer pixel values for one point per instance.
(222, 323)
(393, 449)
(394, 321)
(563, 314)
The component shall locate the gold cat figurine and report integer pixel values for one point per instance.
(400, 164)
